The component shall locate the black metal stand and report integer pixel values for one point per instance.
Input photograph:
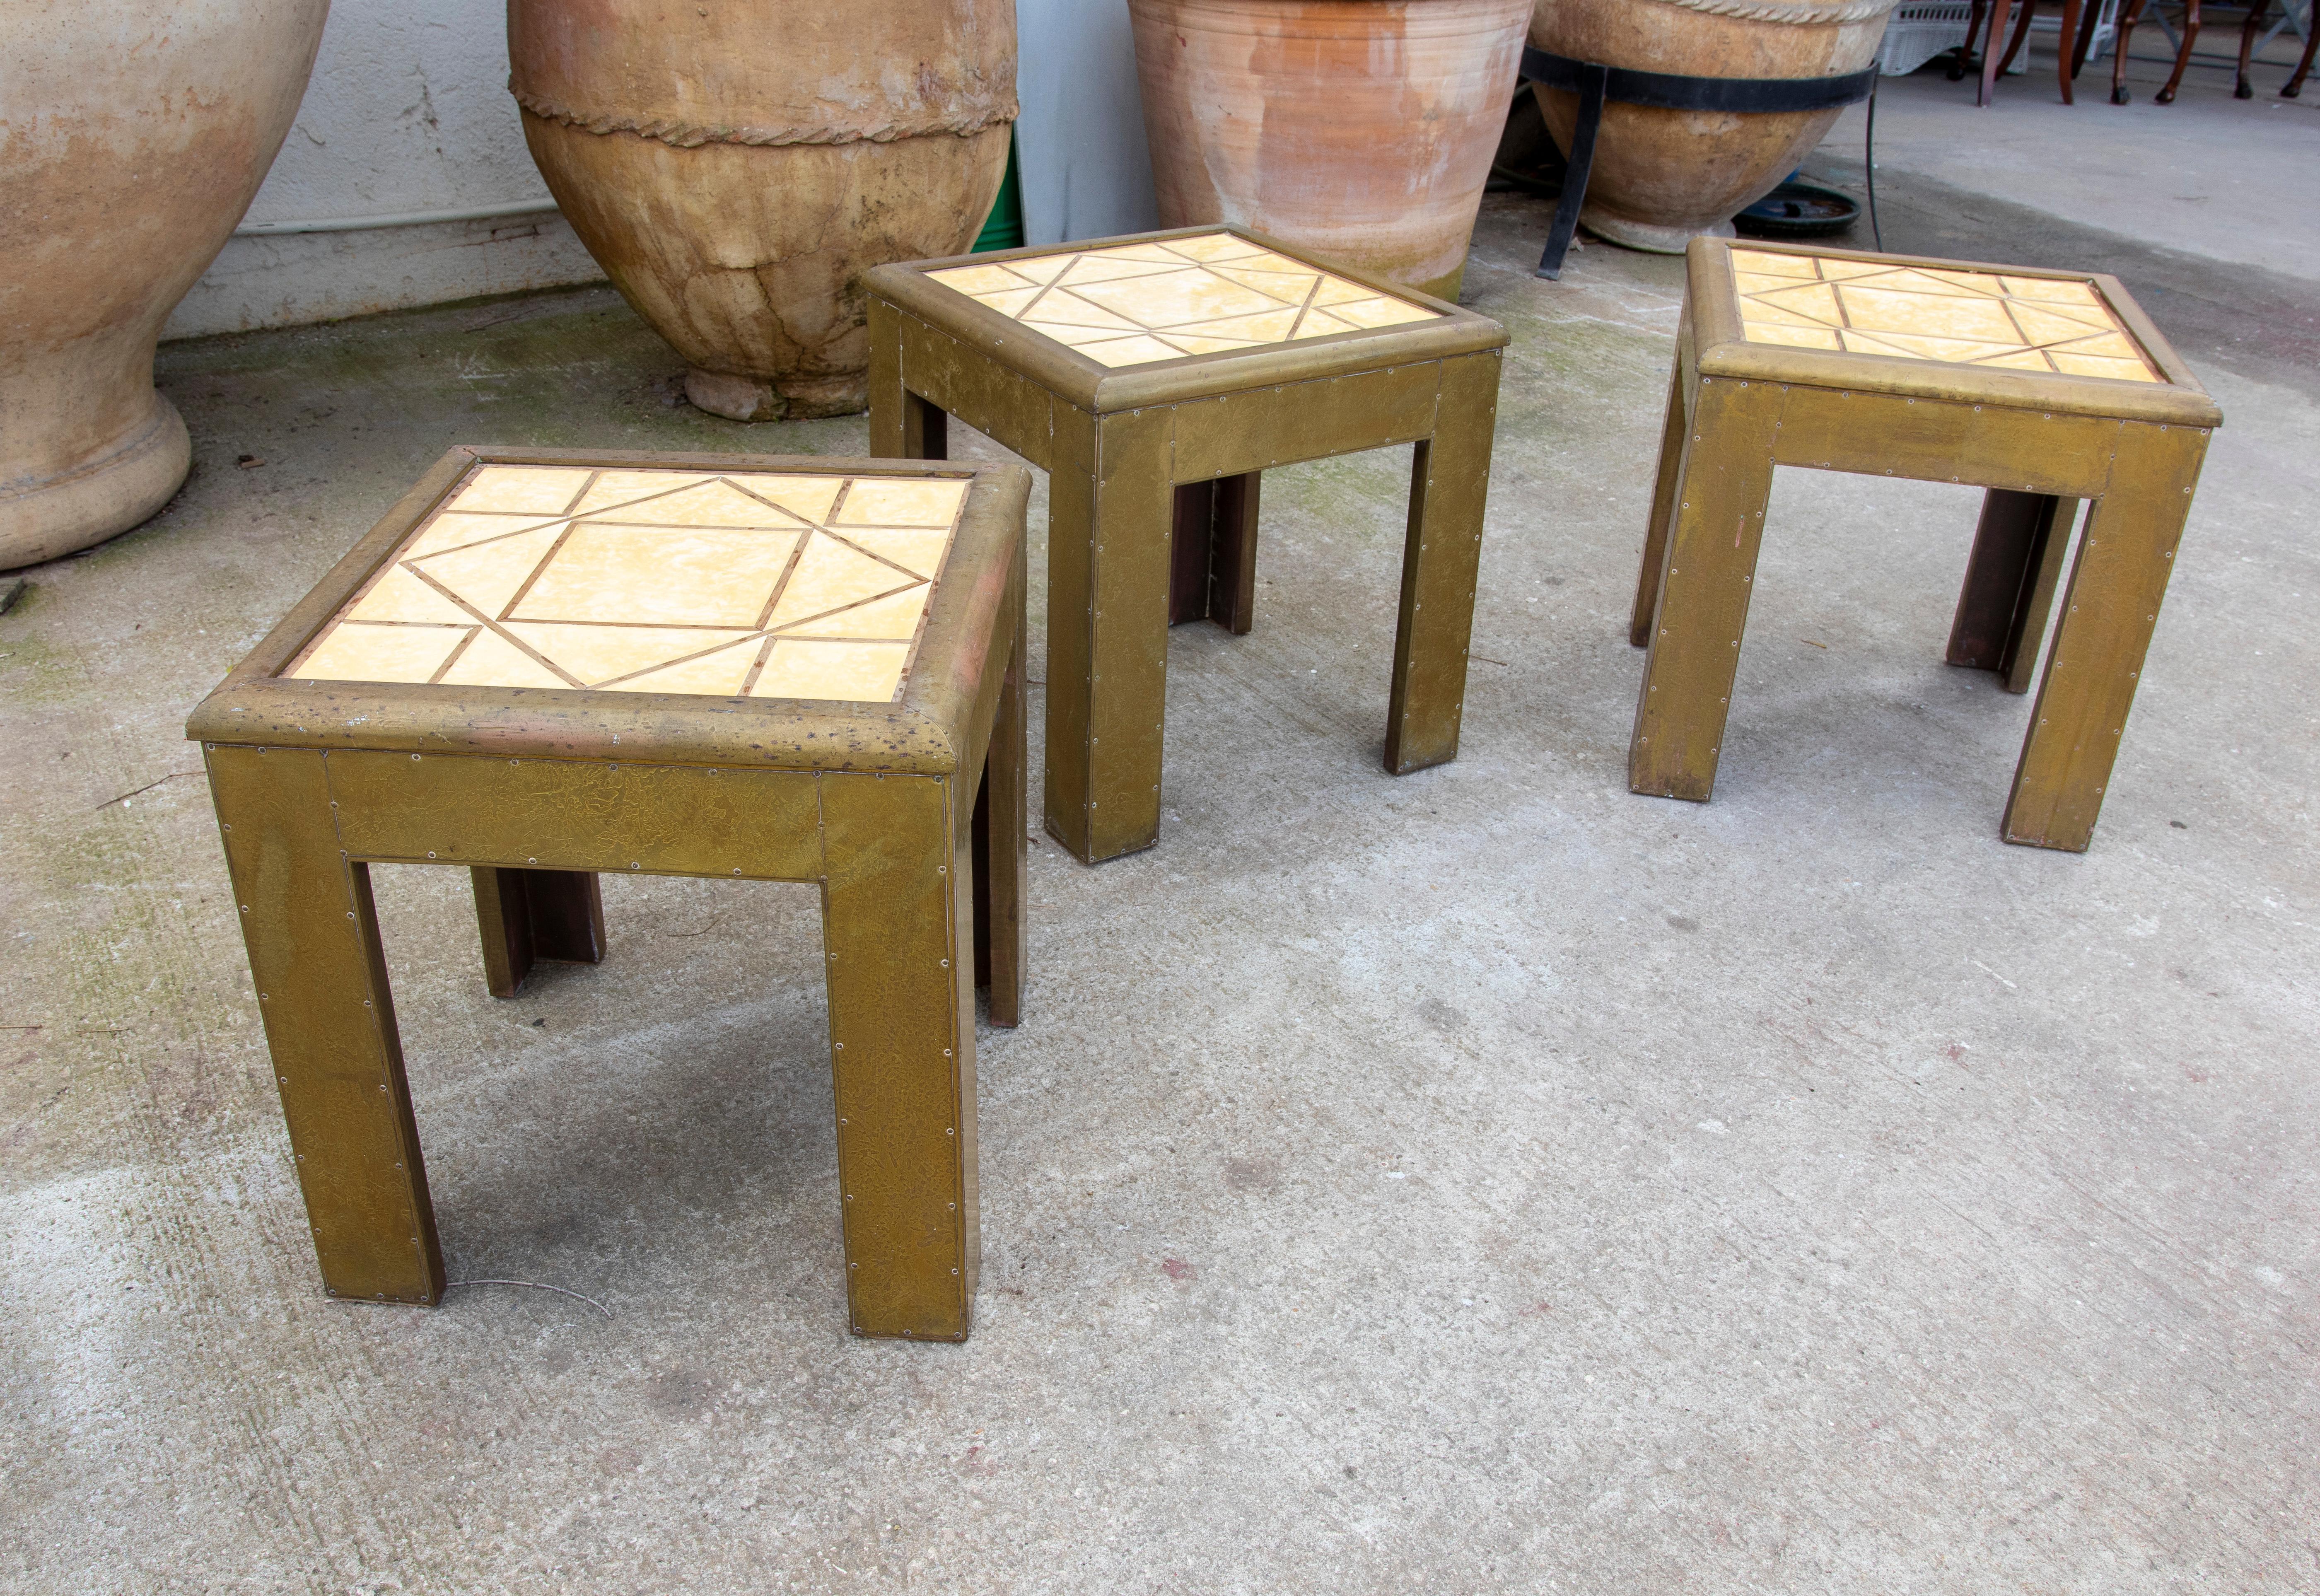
(1595, 85)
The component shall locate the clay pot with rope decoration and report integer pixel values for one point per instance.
(1662, 178)
(735, 168)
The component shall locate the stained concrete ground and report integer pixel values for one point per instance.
(1486, 1180)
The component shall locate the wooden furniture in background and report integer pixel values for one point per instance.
(1155, 377)
(546, 664)
(2046, 388)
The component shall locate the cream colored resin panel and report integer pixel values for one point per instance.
(744, 585)
(1141, 303)
(1970, 318)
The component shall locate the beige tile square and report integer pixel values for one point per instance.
(859, 672)
(1876, 310)
(487, 576)
(358, 651)
(917, 549)
(979, 279)
(527, 490)
(599, 654)
(721, 672)
(1131, 351)
(902, 502)
(895, 617)
(399, 595)
(830, 576)
(490, 660)
(659, 576)
(1771, 264)
(1174, 297)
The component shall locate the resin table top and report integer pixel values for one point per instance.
(1972, 318)
(741, 584)
(1133, 304)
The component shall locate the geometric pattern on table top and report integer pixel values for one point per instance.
(738, 584)
(1966, 318)
(1138, 302)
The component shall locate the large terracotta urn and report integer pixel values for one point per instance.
(1361, 130)
(735, 164)
(1662, 178)
(132, 137)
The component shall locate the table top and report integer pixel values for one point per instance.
(1953, 331)
(749, 609)
(1129, 304)
(756, 584)
(1918, 313)
(1161, 318)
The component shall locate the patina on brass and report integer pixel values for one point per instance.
(2039, 441)
(909, 816)
(1147, 455)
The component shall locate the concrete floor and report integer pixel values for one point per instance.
(1482, 1181)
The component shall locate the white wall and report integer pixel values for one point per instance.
(1082, 161)
(408, 111)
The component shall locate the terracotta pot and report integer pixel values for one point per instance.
(1662, 178)
(133, 135)
(1361, 130)
(735, 167)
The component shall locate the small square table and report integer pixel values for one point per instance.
(2043, 388)
(545, 664)
(1154, 377)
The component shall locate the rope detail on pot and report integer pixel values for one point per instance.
(1801, 15)
(686, 135)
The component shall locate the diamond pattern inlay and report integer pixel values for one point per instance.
(765, 585)
(1161, 301)
(1969, 318)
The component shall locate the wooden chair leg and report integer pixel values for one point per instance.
(2021, 36)
(2166, 97)
(2243, 89)
(2129, 14)
(1991, 65)
(2066, 67)
(2295, 86)
(1972, 31)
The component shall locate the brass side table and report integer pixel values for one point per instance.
(2044, 387)
(1154, 377)
(546, 664)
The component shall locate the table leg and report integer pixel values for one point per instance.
(1212, 574)
(897, 930)
(1674, 438)
(1110, 516)
(525, 915)
(311, 932)
(1704, 590)
(999, 847)
(2125, 555)
(2009, 583)
(902, 426)
(1441, 558)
